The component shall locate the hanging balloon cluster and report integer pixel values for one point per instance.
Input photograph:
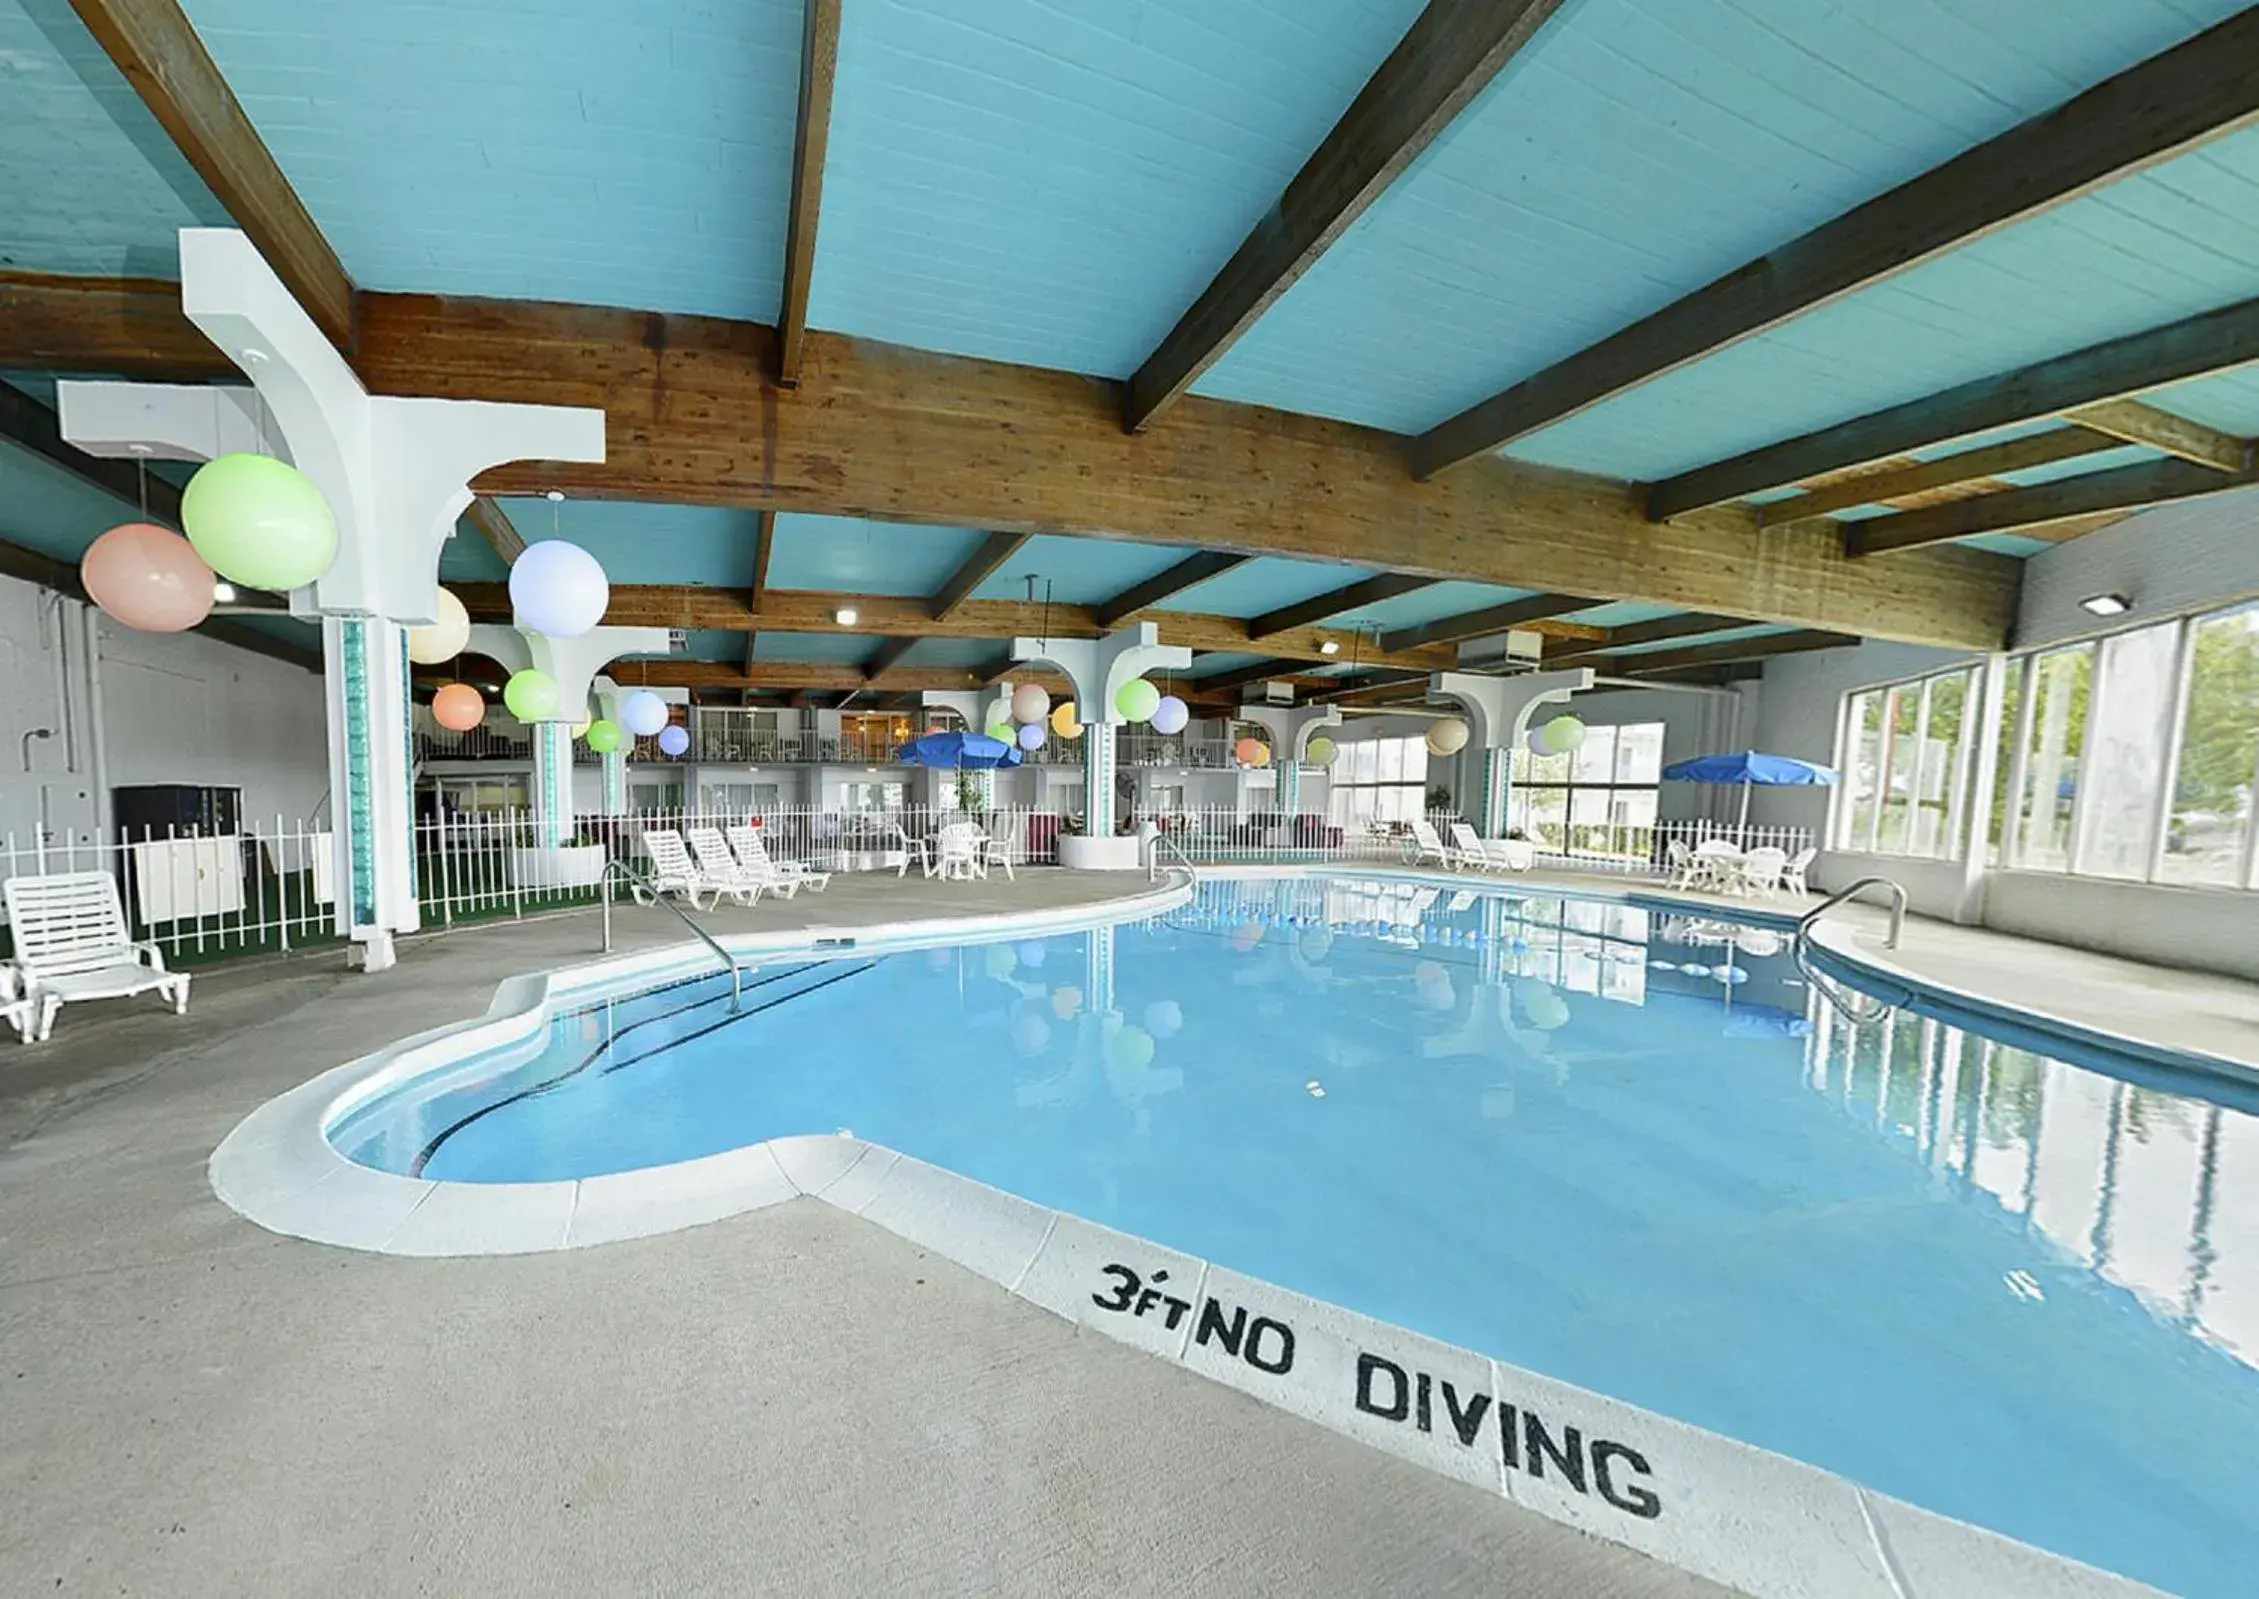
(645, 715)
(249, 519)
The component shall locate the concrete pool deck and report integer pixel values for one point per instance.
(789, 1401)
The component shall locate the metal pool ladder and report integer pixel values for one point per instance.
(1831, 991)
(638, 879)
(1153, 857)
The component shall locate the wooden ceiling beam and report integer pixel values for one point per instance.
(819, 65)
(494, 526)
(1661, 630)
(2127, 488)
(1387, 688)
(1452, 49)
(2199, 346)
(129, 327)
(1923, 477)
(1763, 647)
(1241, 676)
(887, 657)
(694, 417)
(2199, 90)
(814, 675)
(2136, 422)
(1187, 573)
(1373, 590)
(994, 551)
(159, 54)
(816, 611)
(1504, 618)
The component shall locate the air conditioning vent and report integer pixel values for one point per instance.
(678, 641)
(1278, 693)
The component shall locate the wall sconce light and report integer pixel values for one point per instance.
(2106, 605)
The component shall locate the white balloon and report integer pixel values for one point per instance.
(1030, 703)
(1170, 716)
(445, 638)
(643, 713)
(557, 588)
(1447, 737)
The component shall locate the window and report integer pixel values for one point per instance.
(1599, 801)
(2129, 723)
(1905, 759)
(2208, 832)
(1379, 782)
(2059, 682)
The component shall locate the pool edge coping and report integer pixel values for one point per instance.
(1768, 1525)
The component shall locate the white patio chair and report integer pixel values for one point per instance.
(72, 944)
(722, 871)
(1759, 871)
(913, 849)
(1427, 845)
(1792, 875)
(957, 852)
(1680, 865)
(993, 853)
(781, 877)
(673, 871)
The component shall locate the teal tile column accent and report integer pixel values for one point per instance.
(552, 782)
(1290, 786)
(1098, 780)
(1098, 971)
(359, 797)
(1497, 781)
(615, 783)
(408, 760)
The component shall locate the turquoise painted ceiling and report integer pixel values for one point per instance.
(1052, 182)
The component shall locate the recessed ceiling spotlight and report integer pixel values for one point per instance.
(846, 616)
(2106, 605)
(555, 496)
(223, 592)
(1331, 646)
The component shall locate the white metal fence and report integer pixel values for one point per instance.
(269, 887)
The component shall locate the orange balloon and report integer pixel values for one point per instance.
(1249, 751)
(458, 708)
(147, 577)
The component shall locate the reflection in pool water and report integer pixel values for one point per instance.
(1631, 1152)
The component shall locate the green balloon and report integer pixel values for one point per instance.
(604, 736)
(259, 522)
(1131, 1049)
(1319, 751)
(1137, 700)
(532, 696)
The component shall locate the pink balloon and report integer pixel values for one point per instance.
(458, 708)
(147, 577)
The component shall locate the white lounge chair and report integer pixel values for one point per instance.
(72, 944)
(674, 872)
(779, 877)
(723, 871)
(1497, 854)
(28, 1014)
(1429, 845)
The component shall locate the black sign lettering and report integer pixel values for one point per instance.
(1632, 1497)
(1227, 1333)
(1285, 1341)
(1567, 1456)
(1466, 1423)
(1509, 1436)
(1125, 1289)
(1398, 1406)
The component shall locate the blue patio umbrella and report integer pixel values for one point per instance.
(963, 752)
(1750, 770)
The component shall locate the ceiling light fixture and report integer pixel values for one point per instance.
(223, 592)
(1331, 646)
(846, 616)
(2106, 605)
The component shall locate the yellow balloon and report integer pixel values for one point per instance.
(1063, 720)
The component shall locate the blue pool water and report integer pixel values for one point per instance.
(1624, 1150)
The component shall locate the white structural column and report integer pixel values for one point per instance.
(1099, 668)
(1291, 729)
(397, 474)
(1498, 710)
(573, 664)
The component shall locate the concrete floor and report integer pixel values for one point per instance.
(791, 1402)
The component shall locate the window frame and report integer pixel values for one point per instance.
(1956, 834)
(1523, 788)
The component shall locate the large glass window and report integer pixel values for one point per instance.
(2060, 685)
(1599, 801)
(2129, 725)
(1905, 762)
(1379, 783)
(2208, 834)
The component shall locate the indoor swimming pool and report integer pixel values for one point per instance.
(1620, 1147)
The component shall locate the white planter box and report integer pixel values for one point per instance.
(1116, 854)
(575, 866)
